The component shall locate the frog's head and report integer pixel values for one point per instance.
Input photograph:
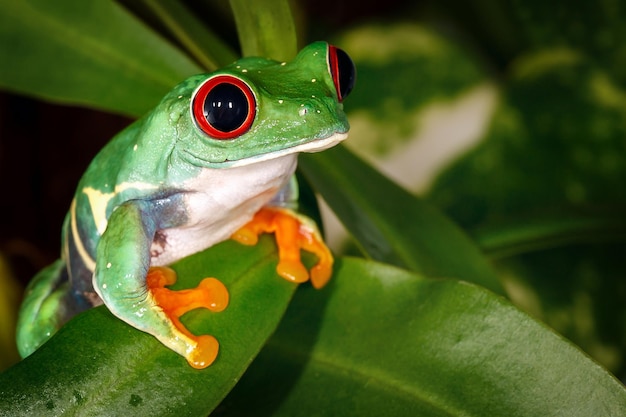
(258, 109)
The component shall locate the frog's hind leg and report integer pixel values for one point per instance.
(44, 309)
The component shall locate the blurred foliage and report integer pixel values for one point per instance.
(10, 294)
(556, 149)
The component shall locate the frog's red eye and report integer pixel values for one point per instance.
(342, 70)
(224, 107)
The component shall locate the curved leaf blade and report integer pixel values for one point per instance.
(551, 228)
(390, 224)
(98, 365)
(87, 53)
(382, 341)
(266, 28)
(198, 39)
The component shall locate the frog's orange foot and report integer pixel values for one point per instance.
(210, 294)
(293, 233)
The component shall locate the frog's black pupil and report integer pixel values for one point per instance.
(226, 107)
(347, 72)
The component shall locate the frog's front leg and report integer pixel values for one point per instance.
(136, 293)
(293, 232)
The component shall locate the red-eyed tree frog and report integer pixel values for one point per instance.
(214, 160)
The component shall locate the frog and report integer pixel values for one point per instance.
(214, 160)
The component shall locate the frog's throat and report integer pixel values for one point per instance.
(312, 146)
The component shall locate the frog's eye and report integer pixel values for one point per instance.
(342, 70)
(224, 107)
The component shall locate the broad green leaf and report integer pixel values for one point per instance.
(391, 225)
(579, 290)
(198, 39)
(90, 53)
(97, 365)
(265, 28)
(380, 341)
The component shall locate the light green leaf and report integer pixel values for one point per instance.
(265, 28)
(391, 225)
(198, 39)
(383, 342)
(90, 53)
(97, 365)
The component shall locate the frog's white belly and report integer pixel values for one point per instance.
(218, 202)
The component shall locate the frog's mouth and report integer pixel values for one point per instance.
(316, 145)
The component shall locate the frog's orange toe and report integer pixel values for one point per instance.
(205, 352)
(320, 275)
(212, 294)
(160, 277)
(246, 236)
(292, 271)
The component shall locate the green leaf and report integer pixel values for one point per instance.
(391, 225)
(265, 28)
(199, 40)
(380, 341)
(98, 365)
(549, 229)
(89, 53)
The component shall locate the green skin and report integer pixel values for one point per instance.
(162, 189)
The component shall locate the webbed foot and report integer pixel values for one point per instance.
(293, 232)
(210, 294)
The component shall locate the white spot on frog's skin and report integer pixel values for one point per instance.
(244, 70)
(303, 111)
(313, 80)
(104, 286)
(140, 313)
(174, 116)
(109, 265)
(282, 64)
(135, 147)
(281, 101)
